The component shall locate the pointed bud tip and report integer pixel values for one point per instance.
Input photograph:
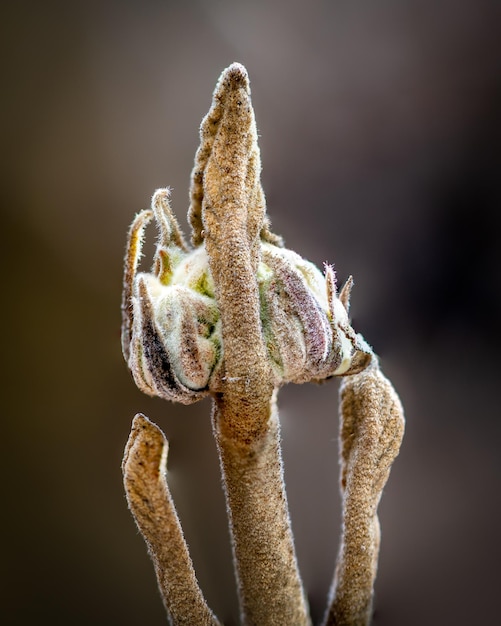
(345, 294)
(236, 75)
(160, 194)
(237, 70)
(140, 421)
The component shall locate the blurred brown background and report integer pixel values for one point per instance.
(380, 143)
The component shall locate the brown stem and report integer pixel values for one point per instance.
(149, 499)
(372, 426)
(226, 185)
(233, 213)
(269, 586)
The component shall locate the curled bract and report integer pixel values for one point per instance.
(172, 333)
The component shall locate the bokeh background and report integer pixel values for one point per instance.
(380, 143)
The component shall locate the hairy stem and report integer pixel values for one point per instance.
(372, 426)
(226, 189)
(233, 214)
(269, 586)
(149, 499)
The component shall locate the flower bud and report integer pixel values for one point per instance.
(305, 324)
(172, 328)
(172, 331)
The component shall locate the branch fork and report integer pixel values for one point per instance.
(235, 317)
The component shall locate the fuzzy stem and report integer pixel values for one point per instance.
(371, 430)
(233, 214)
(229, 204)
(149, 499)
(269, 586)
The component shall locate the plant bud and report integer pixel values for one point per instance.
(305, 324)
(172, 336)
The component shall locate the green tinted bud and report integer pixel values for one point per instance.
(172, 329)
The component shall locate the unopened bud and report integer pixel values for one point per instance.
(172, 328)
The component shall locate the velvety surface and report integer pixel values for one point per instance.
(380, 147)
